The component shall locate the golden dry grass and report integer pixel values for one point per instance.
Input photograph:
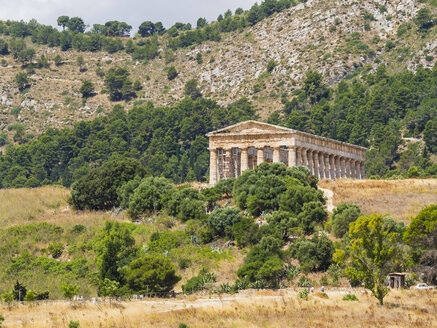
(22, 206)
(402, 199)
(251, 309)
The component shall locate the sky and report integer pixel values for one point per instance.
(133, 12)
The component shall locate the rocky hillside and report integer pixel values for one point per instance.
(340, 39)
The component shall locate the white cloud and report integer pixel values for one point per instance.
(131, 11)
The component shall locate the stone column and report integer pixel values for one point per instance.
(348, 168)
(212, 166)
(342, 168)
(353, 170)
(298, 157)
(227, 163)
(304, 159)
(310, 161)
(276, 155)
(337, 167)
(358, 170)
(292, 160)
(244, 159)
(321, 159)
(327, 167)
(332, 172)
(260, 156)
(363, 171)
(316, 163)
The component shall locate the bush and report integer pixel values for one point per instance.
(55, 249)
(221, 218)
(171, 73)
(350, 297)
(342, 216)
(151, 274)
(303, 294)
(73, 324)
(198, 283)
(314, 254)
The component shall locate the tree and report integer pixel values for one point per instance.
(201, 22)
(221, 218)
(342, 216)
(146, 29)
(430, 135)
(86, 89)
(149, 274)
(314, 88)
(76, 24)
(80, 62)
(98, 189)
(8, 298)
(3, 47)
(63, 21)
(271, 65)
(108, 288)
(26, 55)
(118, 83)
(69, 291)
(21, 81)
(150, 196)
(373, 253)
(114, 245)
(171, 73)
(19, 291)
(191, 89)
(30, 296)
(314, 254)
(424, 19)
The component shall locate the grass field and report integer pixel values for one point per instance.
(251, 309)
(402, 199)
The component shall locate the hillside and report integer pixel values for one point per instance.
(339, 39)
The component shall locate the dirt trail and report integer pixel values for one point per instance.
(329, 194)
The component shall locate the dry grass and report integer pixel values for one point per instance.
(402, 199)
(281, 309)
(22, 206)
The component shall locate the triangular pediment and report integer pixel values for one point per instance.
(251, 127)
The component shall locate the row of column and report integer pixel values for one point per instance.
(321, 164)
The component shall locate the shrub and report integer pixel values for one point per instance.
(271, 65)
(198, 283)
(55, 249)
(303, 294)
(221, 218)
(73, 324)
(342, 216)
(350, 297)
(171, 73)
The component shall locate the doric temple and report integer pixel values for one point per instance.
(242, 146)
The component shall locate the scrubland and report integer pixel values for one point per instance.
(251, 309)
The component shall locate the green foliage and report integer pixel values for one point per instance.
(191, 89)
(114, 245)
(303, 294)
(342, 216)
(108, 287)
(86, 89)
(98, 189)
(222, 218)
(150, 196)
(118, 83)
(271, 65)
(30, 296)
(73, 324)
(373, 253)
(68, 290)
(151, 274)
(55, 249)
(424, 19)
(171, 73)
(19, 291)
(199, 282)
(2, 318)
(225, 186)
(350, 297)
(22, 81)
(430, 135)
(246, 232)
(313, 254)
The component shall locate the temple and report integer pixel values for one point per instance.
(242, 146)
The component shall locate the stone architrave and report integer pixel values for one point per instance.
(229, 151)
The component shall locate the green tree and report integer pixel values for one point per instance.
(191, 89)
(314, 88)
(221, 218)
(63, 21)
(58, 60)
(86, 89)
(424, 19)
(108, 288)
(201, 22)
(373, 253)
(150, 196)
(149, 274)
(430, 135)
(22, 81)
(80, 62)
(8, 298)
(271, 65)
(69, 291)
(30, 296)
(342, 216)
(76, 24)
(118, 83)
(19, 291)
(26, 55)
(146, 29)
(171, 73)
(98, 189)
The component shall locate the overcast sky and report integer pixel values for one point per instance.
(133, 12)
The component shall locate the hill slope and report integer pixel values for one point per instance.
(335, 38)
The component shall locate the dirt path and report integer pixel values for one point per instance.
(329, 194)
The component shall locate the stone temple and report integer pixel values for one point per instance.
(242, 146)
